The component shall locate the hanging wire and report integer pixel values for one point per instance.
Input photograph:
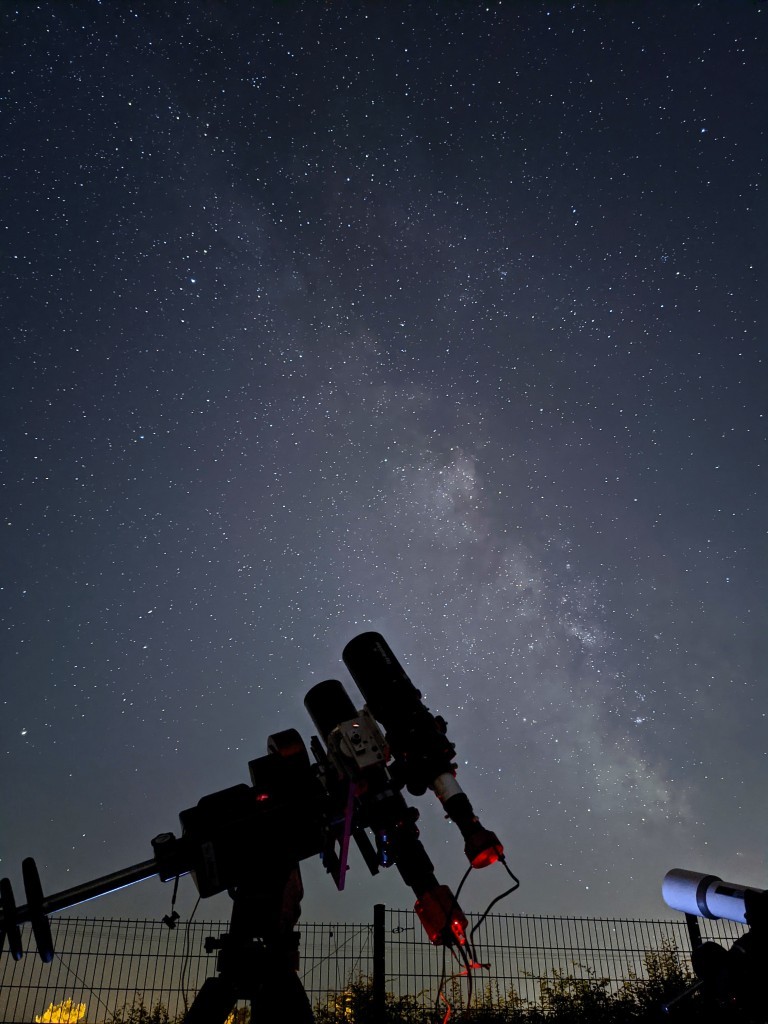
(441, 996)
(334, 951)
(443, 979)
(186, 958)
(469, 955)
(362, 950)
(498, 898)
(84, 984)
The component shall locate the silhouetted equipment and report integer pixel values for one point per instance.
(423, 756)
(731, 980)
(250, 840)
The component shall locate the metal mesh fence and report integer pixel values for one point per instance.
(114, 966)
(108, 965)
(521, 950)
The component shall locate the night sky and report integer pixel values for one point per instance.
(444, 319)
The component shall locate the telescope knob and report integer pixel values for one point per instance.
(41, 927)
(10, 925)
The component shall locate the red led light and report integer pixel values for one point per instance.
(483, 848)
(441, 916)
(485, 857)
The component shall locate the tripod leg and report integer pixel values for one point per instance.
(282, 998)
(213, 1003)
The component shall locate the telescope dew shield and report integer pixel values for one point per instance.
(705, 895)
(387, 690)
(328, 704)
(417, 739)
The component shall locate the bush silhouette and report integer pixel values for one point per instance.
(577, 997)
(565, 997)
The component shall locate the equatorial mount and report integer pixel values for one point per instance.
(249, 840)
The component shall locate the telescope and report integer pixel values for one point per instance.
(414, 752)
(705, 895)
(249, 840)
(732, 984)
(423, 755)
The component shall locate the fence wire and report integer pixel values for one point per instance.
(114, 967)
(518, 951)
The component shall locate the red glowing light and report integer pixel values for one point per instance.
(483, 848)
(488, 856)
(441, 916)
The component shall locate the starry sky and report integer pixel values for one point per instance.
(445, 319)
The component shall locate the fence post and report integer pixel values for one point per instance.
(379, 964)
(694, 931)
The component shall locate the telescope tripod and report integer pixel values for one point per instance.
(258, 957)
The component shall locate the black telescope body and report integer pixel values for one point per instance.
(381, 679)
(418, 739)
(357, 762)
(379, 804)
(423, 755)
(329, 704)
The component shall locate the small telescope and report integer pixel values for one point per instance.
(705, 895)
(732, 984)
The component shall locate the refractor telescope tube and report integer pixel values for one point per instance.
(705, 895)
(417, 739)
(387, 814)
(329, 704)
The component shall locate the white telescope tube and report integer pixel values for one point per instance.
(705, 895)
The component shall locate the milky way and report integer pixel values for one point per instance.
(443, 320)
